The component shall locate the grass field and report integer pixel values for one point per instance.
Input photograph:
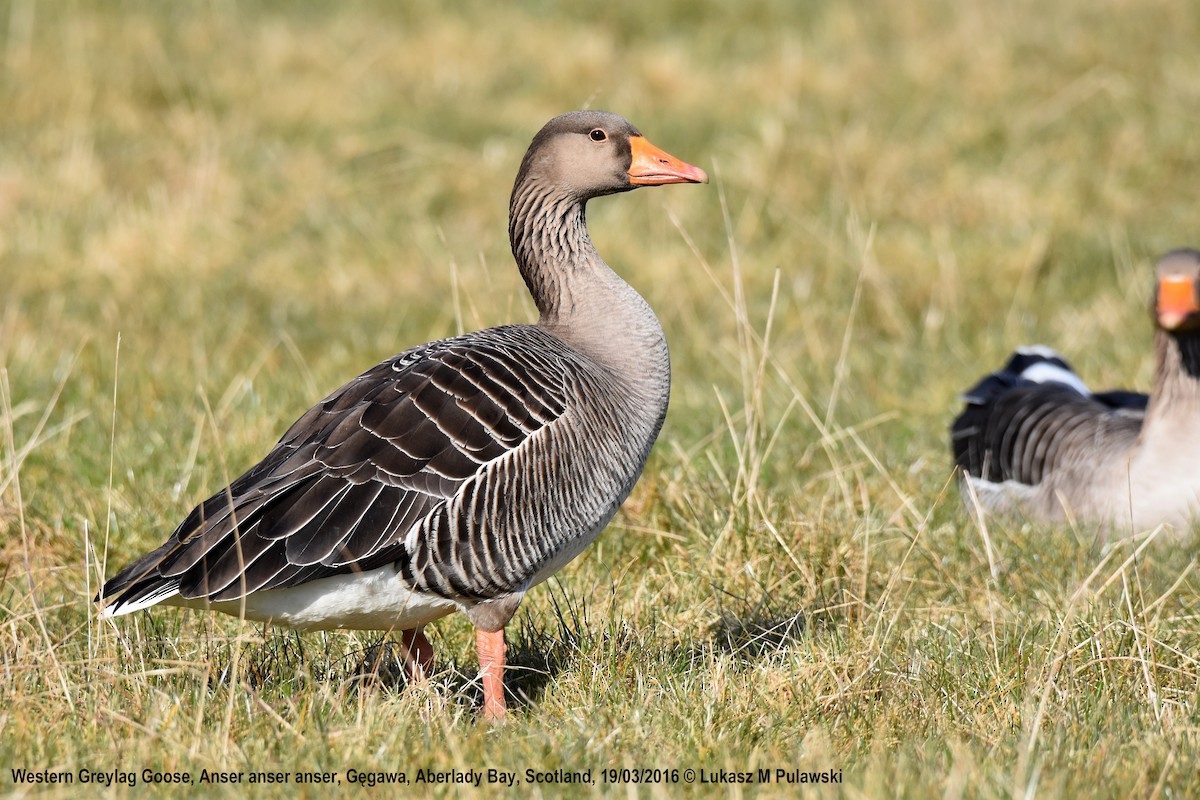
(212, 215)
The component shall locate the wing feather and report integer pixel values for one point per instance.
(1017, 429)
(350, 480)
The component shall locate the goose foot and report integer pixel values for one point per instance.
(418, 654)
(491, 647)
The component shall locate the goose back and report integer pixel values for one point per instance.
(1034, 424)
(473, 466)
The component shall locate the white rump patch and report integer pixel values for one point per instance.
(1039, 350)
(1045, 372)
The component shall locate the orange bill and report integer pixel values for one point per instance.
(654, 167)
(1176, 300)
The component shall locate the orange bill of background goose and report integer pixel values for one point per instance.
(1034, 440)
(458, 474)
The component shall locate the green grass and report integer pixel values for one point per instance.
(212, 215)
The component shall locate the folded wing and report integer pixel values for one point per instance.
(344, 486)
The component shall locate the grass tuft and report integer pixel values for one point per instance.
(214, 215)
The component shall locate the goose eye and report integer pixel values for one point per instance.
(598, 135)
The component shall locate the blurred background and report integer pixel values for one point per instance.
(213, 214)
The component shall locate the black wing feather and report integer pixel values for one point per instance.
(1014, 429)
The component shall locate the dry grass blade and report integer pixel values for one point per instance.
(217, 214)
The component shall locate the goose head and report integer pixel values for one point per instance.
(586, 154)
(1176, 302)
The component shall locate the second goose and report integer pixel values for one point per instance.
(1033, 439)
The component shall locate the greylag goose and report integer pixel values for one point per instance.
(458, 474)
(1033, 439)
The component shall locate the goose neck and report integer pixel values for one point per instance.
(579, 298)
(550, 242)
(1177, 383)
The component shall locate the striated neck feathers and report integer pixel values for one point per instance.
(547, 228)
(579, 298)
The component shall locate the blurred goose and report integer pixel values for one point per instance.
(458, 474)
(1032, 438)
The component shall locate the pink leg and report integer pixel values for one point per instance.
(491, 647)
(418, 654)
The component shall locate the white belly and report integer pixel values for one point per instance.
(377, 600)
